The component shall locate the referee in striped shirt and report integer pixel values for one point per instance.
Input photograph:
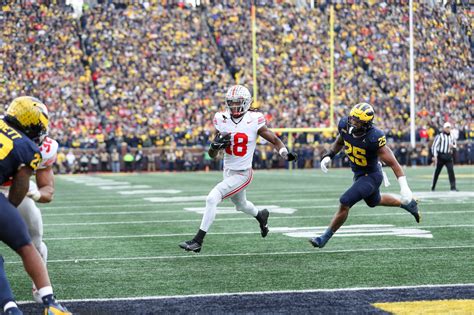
(442, 149)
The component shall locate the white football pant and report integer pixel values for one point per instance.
(33, 219)
(232, 186)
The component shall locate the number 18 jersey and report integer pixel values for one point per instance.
(239, 155)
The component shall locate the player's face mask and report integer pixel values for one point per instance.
(236, 108)
(358, 128)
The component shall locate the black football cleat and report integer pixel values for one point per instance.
(412, 207)
(263, 221)
(191, 245)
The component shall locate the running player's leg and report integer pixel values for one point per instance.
(362, 187)
(14, 233)
(232, 183)
(242, 204)
(33, 219)
(7, 300)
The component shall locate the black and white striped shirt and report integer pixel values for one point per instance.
(443, 143)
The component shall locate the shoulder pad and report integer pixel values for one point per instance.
(219, 119)
(258, 116)
(377, 136)
(342, 124)
(49, 150)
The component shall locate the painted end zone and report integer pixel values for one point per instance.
(428, 307)
(355, 300)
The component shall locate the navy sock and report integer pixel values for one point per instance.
(48, 300)
(326, 235)
(6, 294)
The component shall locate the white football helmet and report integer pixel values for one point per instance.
(238, 100)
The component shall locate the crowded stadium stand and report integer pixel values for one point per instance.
(119, 76)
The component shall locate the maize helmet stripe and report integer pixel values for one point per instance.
(363, 112)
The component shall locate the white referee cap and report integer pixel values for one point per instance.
(447, 125)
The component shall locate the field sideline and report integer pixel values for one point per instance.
(116, 236)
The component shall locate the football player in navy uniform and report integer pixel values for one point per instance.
(364, 145)
(21, 131)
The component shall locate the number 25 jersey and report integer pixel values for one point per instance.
(362, 151)
(239, 155)
(16, 150)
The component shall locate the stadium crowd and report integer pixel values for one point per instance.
(152, 76)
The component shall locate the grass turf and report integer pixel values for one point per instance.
(104, 244)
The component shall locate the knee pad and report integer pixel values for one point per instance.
(344, 200)
(241, 206)
(43, 250)
(374, 203)
(214, 197)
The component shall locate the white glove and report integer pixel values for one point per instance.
(325, 163)
(405, 192)
(34, 194)
(386, 182)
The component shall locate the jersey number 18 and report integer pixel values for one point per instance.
(240, 145)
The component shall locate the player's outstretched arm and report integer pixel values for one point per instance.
(328, 156)
(20, 185)
(268, 135)
(45, 182)
(386, 155)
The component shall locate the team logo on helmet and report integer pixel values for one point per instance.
(360, 119)
(238, 100)
(30, 116)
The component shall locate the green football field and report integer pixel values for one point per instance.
(115, 236)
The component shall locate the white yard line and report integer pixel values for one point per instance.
(225, 219)
(72, 214)
(309, 252)
(332, 202)
(164, 297)
(213, 233)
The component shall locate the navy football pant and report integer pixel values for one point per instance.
(13, 230)
(6, 294)
(364, 187)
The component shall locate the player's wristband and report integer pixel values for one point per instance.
(331, 154)
(283, 152)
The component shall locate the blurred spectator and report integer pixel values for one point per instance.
(128, 161)
(94, 162)
(104, 160)
(115, 161)
(151, 161)
(84, 162)
(139, 159)
(424, 155)
(70, 162)
(61, 164)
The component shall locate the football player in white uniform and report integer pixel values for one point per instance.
(237, 133)
(42, 191)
